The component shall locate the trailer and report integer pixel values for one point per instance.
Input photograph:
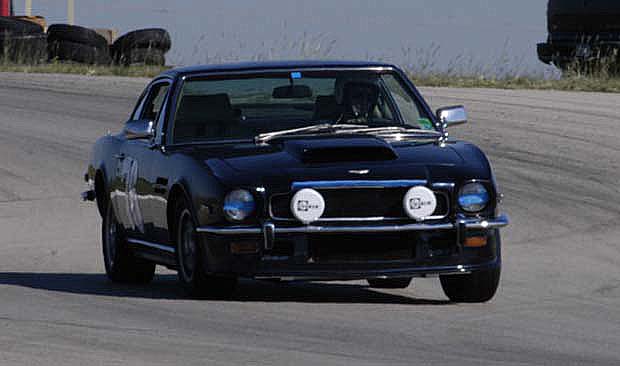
(581, 34)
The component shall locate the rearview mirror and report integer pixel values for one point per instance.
(140, 129)
(451, 116)
(292, 92)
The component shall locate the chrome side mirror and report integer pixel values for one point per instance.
(141, 129)
(452, 116)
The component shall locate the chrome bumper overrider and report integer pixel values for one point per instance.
(270, 229)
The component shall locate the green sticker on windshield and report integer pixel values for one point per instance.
(425, 123)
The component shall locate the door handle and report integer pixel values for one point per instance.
(120, 156)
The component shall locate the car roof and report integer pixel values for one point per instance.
(269, 65)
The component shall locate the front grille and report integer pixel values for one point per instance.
(352, 203)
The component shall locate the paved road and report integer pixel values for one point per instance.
(557, 159)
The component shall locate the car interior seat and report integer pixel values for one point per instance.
(204, 116)
(327, 108)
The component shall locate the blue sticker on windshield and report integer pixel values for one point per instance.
(296, 75)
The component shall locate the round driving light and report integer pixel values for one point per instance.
(307, 205)
(239, 205)
(419, 203)
(473, 197)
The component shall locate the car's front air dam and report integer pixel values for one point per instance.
(264, 264)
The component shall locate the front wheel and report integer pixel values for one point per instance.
(478, 286)
(120, 263)
(192, 269)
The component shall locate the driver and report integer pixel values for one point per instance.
(359, 100)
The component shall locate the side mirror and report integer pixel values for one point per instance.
(452, 116)
(141, 129)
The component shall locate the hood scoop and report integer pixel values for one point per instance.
(340, 150)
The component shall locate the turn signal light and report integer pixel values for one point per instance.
(475, 241)
(244, 247)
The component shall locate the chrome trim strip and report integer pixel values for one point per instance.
(443, 185)
(422, 272)
(345, 184)
(232, 230)
(363, 229)
(498, 222)
(151, 245)
(202, 75)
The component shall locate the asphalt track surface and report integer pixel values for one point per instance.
(557, 159)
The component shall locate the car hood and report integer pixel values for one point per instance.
(352, 158)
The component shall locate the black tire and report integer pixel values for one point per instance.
(77, 52)
(192, 269)
(76, 34)
(120, 263)
(31, 49)
(18, 26)
(479, 286)
(142, 56)
(144, 38)
(402, 282)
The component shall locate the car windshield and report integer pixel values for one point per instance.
(245, 106)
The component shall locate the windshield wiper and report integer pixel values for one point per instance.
(390, 133)
(397, 133)
(320, 128)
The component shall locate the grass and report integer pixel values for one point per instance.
(573, 81)
(567, 83)
(500, 72)
(505, 72)
(80, 69)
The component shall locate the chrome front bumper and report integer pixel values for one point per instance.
(269, 228)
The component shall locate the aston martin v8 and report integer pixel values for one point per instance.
(295, 170)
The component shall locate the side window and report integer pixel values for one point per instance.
(406, 104)
(135, 115)
(155, 101)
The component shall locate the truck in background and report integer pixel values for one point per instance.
(583, 34)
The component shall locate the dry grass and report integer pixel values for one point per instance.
(73, 68)
(572, 82)
(569, 83)
(502, 71)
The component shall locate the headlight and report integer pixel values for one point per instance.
(239, 205)
(473, 197)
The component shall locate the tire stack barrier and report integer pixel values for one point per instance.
(33, 19)
(22, 41)
(143, 47)
(77, 44)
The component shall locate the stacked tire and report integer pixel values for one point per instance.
(142, 47)
(22, 41)
(77, 44)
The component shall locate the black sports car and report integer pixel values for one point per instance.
(295, 170)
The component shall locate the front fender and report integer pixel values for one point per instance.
(201, 189)
(103, 163)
